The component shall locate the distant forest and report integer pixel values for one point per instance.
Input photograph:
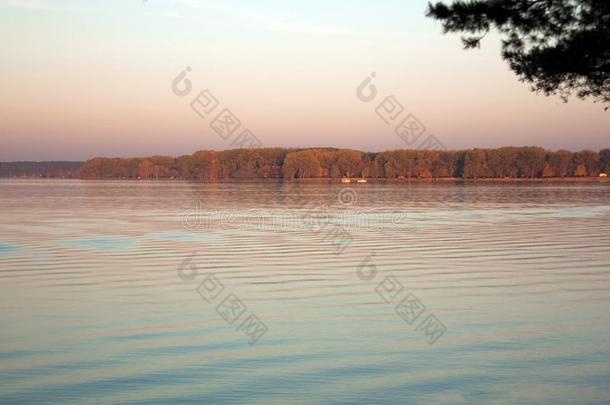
(288, 164)
(39, 169)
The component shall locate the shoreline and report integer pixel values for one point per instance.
(354, 181)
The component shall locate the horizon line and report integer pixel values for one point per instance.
(305, 148)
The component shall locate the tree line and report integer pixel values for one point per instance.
(39, 169)
(288, 164)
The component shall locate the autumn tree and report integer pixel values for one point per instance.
(204, 165)
(424, 161)
(589, 159)
(275, 163)
(559, 162)
(365, 166)
(145, 169)
(501, 162)
(301, 164)
(530, 161)
(548, 171)
(580, 170)
(328, 161)
(185, 166)
(349, 161)
(405, 161)
(269, 162)
(445, 165)
(475, 164)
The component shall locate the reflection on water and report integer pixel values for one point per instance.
(93, 309)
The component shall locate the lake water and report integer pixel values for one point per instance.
(166, 292)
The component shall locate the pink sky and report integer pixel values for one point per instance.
(82, 82)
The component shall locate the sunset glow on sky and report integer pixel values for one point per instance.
(93, 78)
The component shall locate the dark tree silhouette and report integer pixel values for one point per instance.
(558, 46)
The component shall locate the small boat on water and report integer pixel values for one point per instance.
(346, 180)
(362, 180)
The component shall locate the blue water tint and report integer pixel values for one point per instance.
(518, 275)
(18, 354)
(106, 243)
(6, 248)
(576, 212)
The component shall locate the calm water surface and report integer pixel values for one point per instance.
(94, 309)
